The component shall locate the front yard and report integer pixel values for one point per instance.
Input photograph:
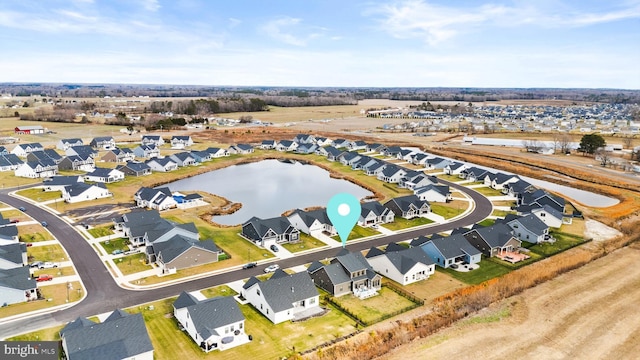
(100, 231)
(450, 209)
(115, 244)
(357, 233)
(306, 242)
(39, 195)
(563, 242)
(401, 223)
(487, 191)
(53, 253)
(33, 233)
(57, 293)
(132, 264)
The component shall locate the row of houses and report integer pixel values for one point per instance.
(16, 283)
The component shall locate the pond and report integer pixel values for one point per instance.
(268, 188)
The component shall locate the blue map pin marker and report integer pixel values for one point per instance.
(344, 211)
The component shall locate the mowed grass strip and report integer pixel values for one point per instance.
(53, 253)
(55, 272)
(401, 223)
(306, 242)
(369, 310)
(57, 293)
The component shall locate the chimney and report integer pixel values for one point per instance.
(292, 289)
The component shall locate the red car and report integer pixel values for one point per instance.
(13, 221)
(44, 277)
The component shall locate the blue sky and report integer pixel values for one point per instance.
(412, 43)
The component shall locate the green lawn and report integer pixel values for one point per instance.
(357, 233)
(488, 270)
(306, 242)
(487, 222)
(502, 213)
(131, 264)
(53, 253)
(452, 178)
(269, 341)
(487, 191)
(33, 233)
(98, 232)
(222, 290)
(37, 194)
(563, 242)
(372, 309)
(402, 223)
(57, 294)
(55, 272)
(115, 244)
(449, 210)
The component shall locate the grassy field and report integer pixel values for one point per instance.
(100, 231)
(452, 178)
(53, 253)
(502, 213)
(357, 233)
(563, 242)
(33, 233)
(487, 222)
(306, 242)
(57, 294)
(132, 264)
(371, 309)
(401, 223)
(269, 341)
(115, 244)
(488, 270)
(450, 209)
(436, 285)
(222, 290)
(487, 191)
(39, 195)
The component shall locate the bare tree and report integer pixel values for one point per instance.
(603, 156)
(627, 141)
(564, 143)
(532, 145)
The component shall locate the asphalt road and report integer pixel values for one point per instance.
(104, 295)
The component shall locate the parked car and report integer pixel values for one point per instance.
(44, 277)
(14, 221)
(47, 265)
(249, 265)
(21, 208)
(29, 244)
(44, 223)
(117, 252)
(35, 264)
(271, 268)
(274, 248)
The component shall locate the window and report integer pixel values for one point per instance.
(312, 301)
(258, 292)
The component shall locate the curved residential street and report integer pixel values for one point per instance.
(104, 295)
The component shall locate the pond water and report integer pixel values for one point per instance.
(268, 188)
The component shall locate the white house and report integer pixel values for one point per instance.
(433, 193)
(104, 175)
(312, 222)
(548, 215)
(402, 265)
(214, 324)
(284, 296)
(37, 169)
(23, 150)
(84, 192)
(181, 142)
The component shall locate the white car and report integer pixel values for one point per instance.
(271, 268)
(47, 265)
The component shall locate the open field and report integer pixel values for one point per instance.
(578, 315)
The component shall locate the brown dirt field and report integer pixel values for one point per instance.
(589, 313)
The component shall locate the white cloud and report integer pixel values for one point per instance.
(276, 29)
(233, 22)
(150, 5)
(437, 23)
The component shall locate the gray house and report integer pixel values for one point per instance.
(348, 272)
(449, 250)
(493, 240)
(119, 336)
(16, 286)
(373, 213)
(267, 232)
(408, 207)
(147, 151)
(528, 228)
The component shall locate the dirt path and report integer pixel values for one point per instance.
(590, 313)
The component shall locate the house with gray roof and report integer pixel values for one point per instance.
(528, 228)
(118, 155)
(304, 139)
(57, 183)
(374, 213)
(283, 297)
(392, 174)
(46, 154)
(449, 250)
(436, 163)
(408, 206)
(9, 162)
(8, 232)
(103, 143)
(156, 140)
(119, 336)
(183, 159)
(181, 252)
(76, 162)
(332, 153)
(419, 158)
(162, 164)
(312, 222)
(306, 149)
(268, 144)
(134, 168)
(181, 141)
(146, 227)
(37, 169)
(104, 175)
(64, 144)
(81, 191)
(213, 324)
(433, 193)
(286, 145)
(267, 232)
(147, 151)
(402, 265)
(83, 151)
(454, 168)
(493, 240)
(17, 286)
(473, 174)
(517, 188)
(548, 214)
(159, 199)
(376, 168)
(217, 152)
(499, 180)
(347, 273)
(240, 149)
(13, 255)
(415, 179)
(22, 150)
